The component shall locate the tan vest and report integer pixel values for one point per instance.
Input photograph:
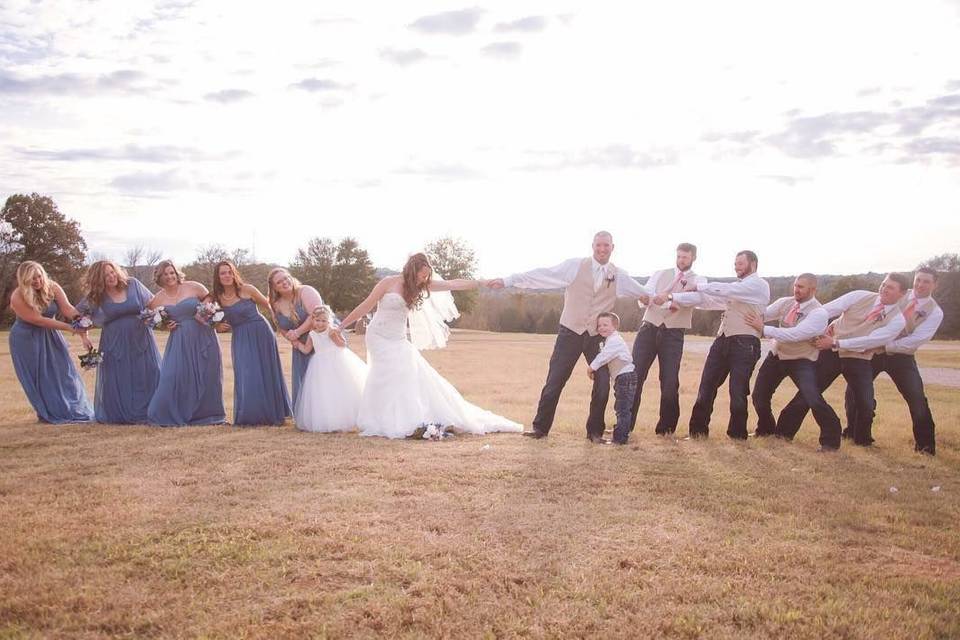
(920, 314)
(582, 305)
(796, 350)
(852, 323)
(733, 322)
(682, 318)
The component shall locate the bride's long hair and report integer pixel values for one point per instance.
(414, 292)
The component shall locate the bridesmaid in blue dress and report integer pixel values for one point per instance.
(128, 375)
(259, 390)
(40, 354)
(190, 391)
(292, 305)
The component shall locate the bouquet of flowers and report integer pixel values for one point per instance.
(81, 322)
(91, 359)
(432, 431)
(209, 313)
(155, 318)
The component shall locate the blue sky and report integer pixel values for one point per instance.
(825, 136)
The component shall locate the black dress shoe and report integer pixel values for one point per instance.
(826, 449)
(536, 435)
(597, 439)
(761, 434)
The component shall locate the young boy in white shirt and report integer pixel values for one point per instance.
(615, 355)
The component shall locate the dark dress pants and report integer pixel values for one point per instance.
(902, 369)
(803, 372)
(735, 356)
(859, 376)
(566, 351)
(666, 346)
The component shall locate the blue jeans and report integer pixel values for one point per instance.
(902, 369)
(624, 391)
(859, 376)
(803, 372)
(735, 356)
(666, 346)
(566, 351)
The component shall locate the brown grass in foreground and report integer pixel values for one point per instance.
(226, 532)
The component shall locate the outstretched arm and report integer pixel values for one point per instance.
(367, 305)
(455, 285)
(555, 277)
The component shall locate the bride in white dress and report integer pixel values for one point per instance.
(403, 391)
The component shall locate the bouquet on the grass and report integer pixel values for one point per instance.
(81, 322)
(432, 431)
(91, 359)
(155, 318)
(209, 313)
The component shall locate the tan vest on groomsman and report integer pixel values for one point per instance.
(733, 322)
(920, 314)
(582, 305)
(682, 318)
(852, 323)
(797, 350)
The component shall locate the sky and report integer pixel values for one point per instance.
(825, 136)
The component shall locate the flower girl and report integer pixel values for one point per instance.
(333, 384)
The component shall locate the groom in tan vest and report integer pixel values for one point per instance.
(591, 287)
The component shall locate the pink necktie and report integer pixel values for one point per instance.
(876, 313)
(791, 318)
(910, 310)
(675, 286)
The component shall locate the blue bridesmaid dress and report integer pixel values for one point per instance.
(128, 375)
(46, 372)
(300, 359)
(259, 390)
(190, 391)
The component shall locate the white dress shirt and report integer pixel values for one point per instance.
(713, 295)
(812, 322)
(922, 333)
(876, 338)
(614, 348)
(561, 275)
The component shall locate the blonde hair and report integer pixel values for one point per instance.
(96, 280)
(40, 299)
(273, 296)
(158, 272)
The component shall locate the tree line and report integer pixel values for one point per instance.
(33, 228)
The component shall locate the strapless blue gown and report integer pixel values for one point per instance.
(190, 391)
(47, 373)
(300, 360)
(259, 390)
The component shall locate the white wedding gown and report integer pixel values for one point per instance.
(403, 391)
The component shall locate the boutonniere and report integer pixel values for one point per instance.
(881, 317)
(610, 278)
(800, 314)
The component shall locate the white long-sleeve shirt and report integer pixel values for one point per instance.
(561, 275)
(922, 333)
(876, 338)
(713, 295)
(812, 322)
(614, 348)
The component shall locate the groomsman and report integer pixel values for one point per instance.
(660, 336)
(801, 318)
(736, 349)
(922, 317)
(591, 287)
(867, 322)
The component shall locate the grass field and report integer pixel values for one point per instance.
(224, 532)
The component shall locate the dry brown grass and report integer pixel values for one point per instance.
(225, 532)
